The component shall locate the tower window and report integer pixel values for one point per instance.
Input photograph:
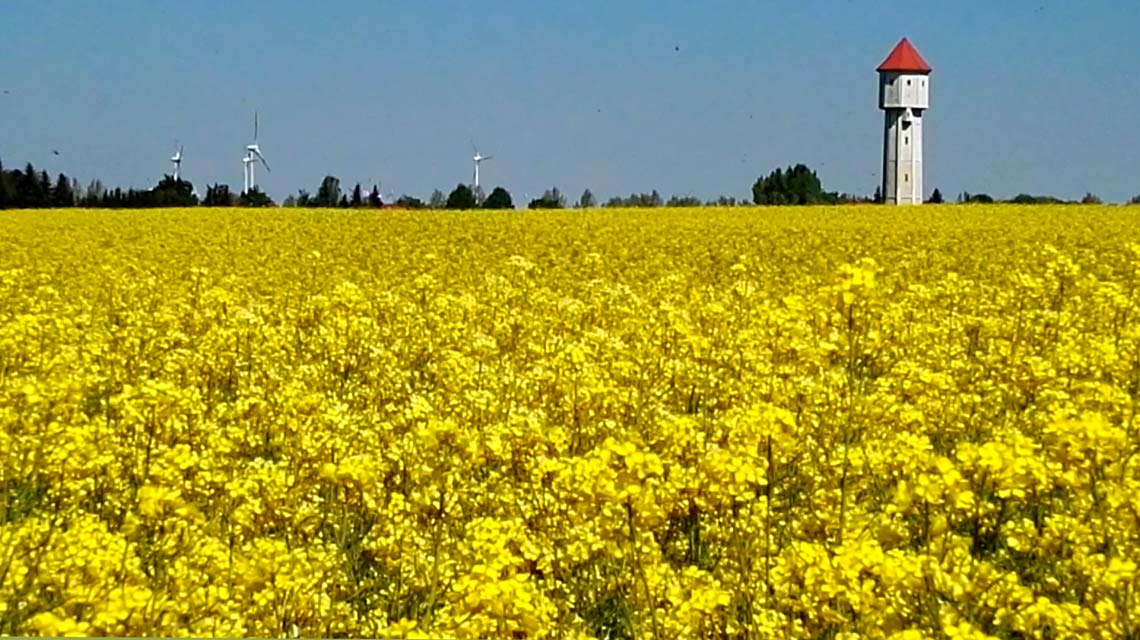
(906, 139)
(906, 177)
(908, 83)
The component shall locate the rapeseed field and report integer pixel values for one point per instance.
(853, 422)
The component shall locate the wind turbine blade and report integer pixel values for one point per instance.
(255, 126)
(487, 157)
(262, 158)
(473, 147)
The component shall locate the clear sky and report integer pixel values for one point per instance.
(686, 97)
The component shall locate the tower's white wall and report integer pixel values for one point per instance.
(890, 157)
(902, 157)
(903, 97)
(916, 144)
(901, 90)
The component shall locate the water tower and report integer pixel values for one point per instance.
(904, 95)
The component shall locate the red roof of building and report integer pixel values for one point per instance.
(905, 59)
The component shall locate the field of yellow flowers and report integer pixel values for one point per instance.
(706, 423)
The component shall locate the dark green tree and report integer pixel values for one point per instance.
(374, 199)
(173, 193)
(408, 202)
(799, 185)
(586, 200)
(645, 200)
(551, 199)
(936, 197)
(30, 192)
(500, 198)
(975, 198)
(44, 190)
(328, 195)
(218, 195)
(61, 194)
(357, 197)
(255, 197)
(1025, 198)
(5, 195)
(461, 198)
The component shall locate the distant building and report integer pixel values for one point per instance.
(904, 95)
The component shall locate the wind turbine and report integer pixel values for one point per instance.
(478, 158)
(252, 157)
(177, 160)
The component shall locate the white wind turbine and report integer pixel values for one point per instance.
(177, 160)
(477, 158)
(252, 157)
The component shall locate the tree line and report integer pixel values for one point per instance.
(28, 188)
(32, 189)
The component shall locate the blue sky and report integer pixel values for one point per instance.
(1038, 96)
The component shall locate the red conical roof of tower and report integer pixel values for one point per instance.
(904, 59)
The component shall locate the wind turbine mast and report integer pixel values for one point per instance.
(477, 158)
(252, 157)
(177, 160)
